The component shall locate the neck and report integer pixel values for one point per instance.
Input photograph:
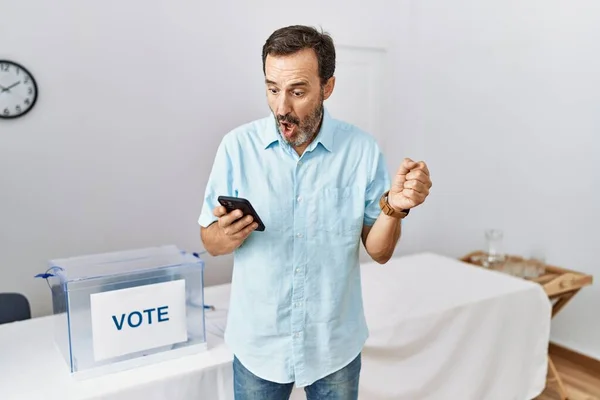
(300, 149)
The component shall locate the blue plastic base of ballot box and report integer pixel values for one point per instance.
(121, 310)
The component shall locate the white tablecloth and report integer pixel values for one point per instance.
(440, 329)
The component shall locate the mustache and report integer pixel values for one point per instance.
(288, 118)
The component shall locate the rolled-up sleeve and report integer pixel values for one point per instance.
(378, 185)
(220, 183)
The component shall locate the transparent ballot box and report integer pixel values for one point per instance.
(120, 310)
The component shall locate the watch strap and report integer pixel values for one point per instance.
(387, 209)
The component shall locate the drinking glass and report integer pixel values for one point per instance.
(494, 250)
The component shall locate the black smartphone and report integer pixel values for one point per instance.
(238, 203)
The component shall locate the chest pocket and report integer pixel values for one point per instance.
(338, 213)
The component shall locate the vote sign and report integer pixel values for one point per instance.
(140, 318)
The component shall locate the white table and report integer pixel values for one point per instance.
(440, 329)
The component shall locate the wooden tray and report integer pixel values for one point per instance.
(556, 280)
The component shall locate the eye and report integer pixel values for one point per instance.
(273, 90)
(298, 93)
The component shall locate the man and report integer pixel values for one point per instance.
(319, 185)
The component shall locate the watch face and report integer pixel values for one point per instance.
(18, 90)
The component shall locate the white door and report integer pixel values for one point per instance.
(359, 91)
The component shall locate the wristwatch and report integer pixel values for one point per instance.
(389, 210)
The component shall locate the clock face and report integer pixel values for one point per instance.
(18, 90)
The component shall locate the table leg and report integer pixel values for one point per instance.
(562, 301)
(561, 387)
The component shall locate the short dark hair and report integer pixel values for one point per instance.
(291, 39)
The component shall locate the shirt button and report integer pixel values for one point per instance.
(299, 234)
(296, 304)
(299, 199)
(298, 270)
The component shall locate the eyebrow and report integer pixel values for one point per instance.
(295, 84)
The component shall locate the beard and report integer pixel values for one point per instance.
(306, 129)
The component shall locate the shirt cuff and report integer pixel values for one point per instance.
(206, 220)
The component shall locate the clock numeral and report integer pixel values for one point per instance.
(4, 67)
(6, 111)
(27, 101)
(30, 90)
(18, 108)
(26, 80)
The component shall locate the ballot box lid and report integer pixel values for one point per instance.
(122, 263)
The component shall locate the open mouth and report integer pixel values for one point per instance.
(287, 128)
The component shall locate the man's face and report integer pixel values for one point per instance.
(295, 95)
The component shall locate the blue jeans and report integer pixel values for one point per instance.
(340, 385)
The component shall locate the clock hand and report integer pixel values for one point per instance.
(7, 89)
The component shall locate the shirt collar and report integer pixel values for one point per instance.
(324, 137)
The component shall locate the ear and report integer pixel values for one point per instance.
(328, 89)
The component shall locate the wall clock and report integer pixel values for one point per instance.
(18, 90)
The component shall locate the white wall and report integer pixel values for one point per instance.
(503, 98)
(134, 99)
(500, 97)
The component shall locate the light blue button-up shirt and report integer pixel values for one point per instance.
(296, 310)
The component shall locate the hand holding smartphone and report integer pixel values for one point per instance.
(236, 220)
(236, 203)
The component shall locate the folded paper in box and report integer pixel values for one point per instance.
(120, 310)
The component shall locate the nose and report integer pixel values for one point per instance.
(283, 104)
